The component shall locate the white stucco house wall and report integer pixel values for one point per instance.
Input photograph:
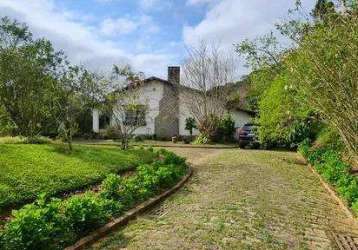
(167, 108)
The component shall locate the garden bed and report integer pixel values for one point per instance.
(131, 214)
(55, 224)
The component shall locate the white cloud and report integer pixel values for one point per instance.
(117, 26)
(230, 21)
(147, 4)
(154, 5)
(106, 1)
(199, 2)
(82, 43)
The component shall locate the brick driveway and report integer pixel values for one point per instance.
(241, 199)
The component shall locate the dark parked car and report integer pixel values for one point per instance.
(248, 136)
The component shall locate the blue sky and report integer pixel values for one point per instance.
(149, 34)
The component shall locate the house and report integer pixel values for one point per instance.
(168, 108)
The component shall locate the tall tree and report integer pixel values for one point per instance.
(325, 68)
(128, 111)
(322, 9)
(28, 72)
(207, 69)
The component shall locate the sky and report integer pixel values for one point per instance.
(148, 34)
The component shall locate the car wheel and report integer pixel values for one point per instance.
(242, 144)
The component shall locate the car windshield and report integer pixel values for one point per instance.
(248, 127)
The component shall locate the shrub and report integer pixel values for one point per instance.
(37, 226)
(190, 125)
(12, 140)
(110, 187)
(129, 192)
(285, 120)
(112, 133)
(138, 138)
(171, 158)
(329, 164)
(304, 147)
(7, 127)
(147, 174)
(25, 140)
(328, 137)
(348, 188)
(38, 140)
(165, 176)
(84, 213)
(168, 175)
(201, 139)
(225, 130)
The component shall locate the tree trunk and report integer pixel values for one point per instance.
(69, 142)
(124, 145)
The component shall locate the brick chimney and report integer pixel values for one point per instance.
(174, 74)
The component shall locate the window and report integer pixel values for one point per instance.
(104, 121)
(135, 116)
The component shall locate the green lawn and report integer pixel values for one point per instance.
(28, 170)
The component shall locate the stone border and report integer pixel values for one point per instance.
(129, 215)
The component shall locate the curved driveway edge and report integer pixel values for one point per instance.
(131, 214)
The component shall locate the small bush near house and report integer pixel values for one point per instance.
(190, 125)
(225, 130)
(112, 133)
(138, 138)
(55, 224)
(201, 139)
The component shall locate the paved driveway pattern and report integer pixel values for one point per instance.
(240, 199)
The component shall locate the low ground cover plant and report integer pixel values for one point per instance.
(328, 162)
(25, 140)
(27, 170)
(54, 223)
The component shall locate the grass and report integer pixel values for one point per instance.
(12, 140)
(27, 170)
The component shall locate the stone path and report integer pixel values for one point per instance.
(242, 199)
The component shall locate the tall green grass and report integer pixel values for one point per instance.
(26, 170)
